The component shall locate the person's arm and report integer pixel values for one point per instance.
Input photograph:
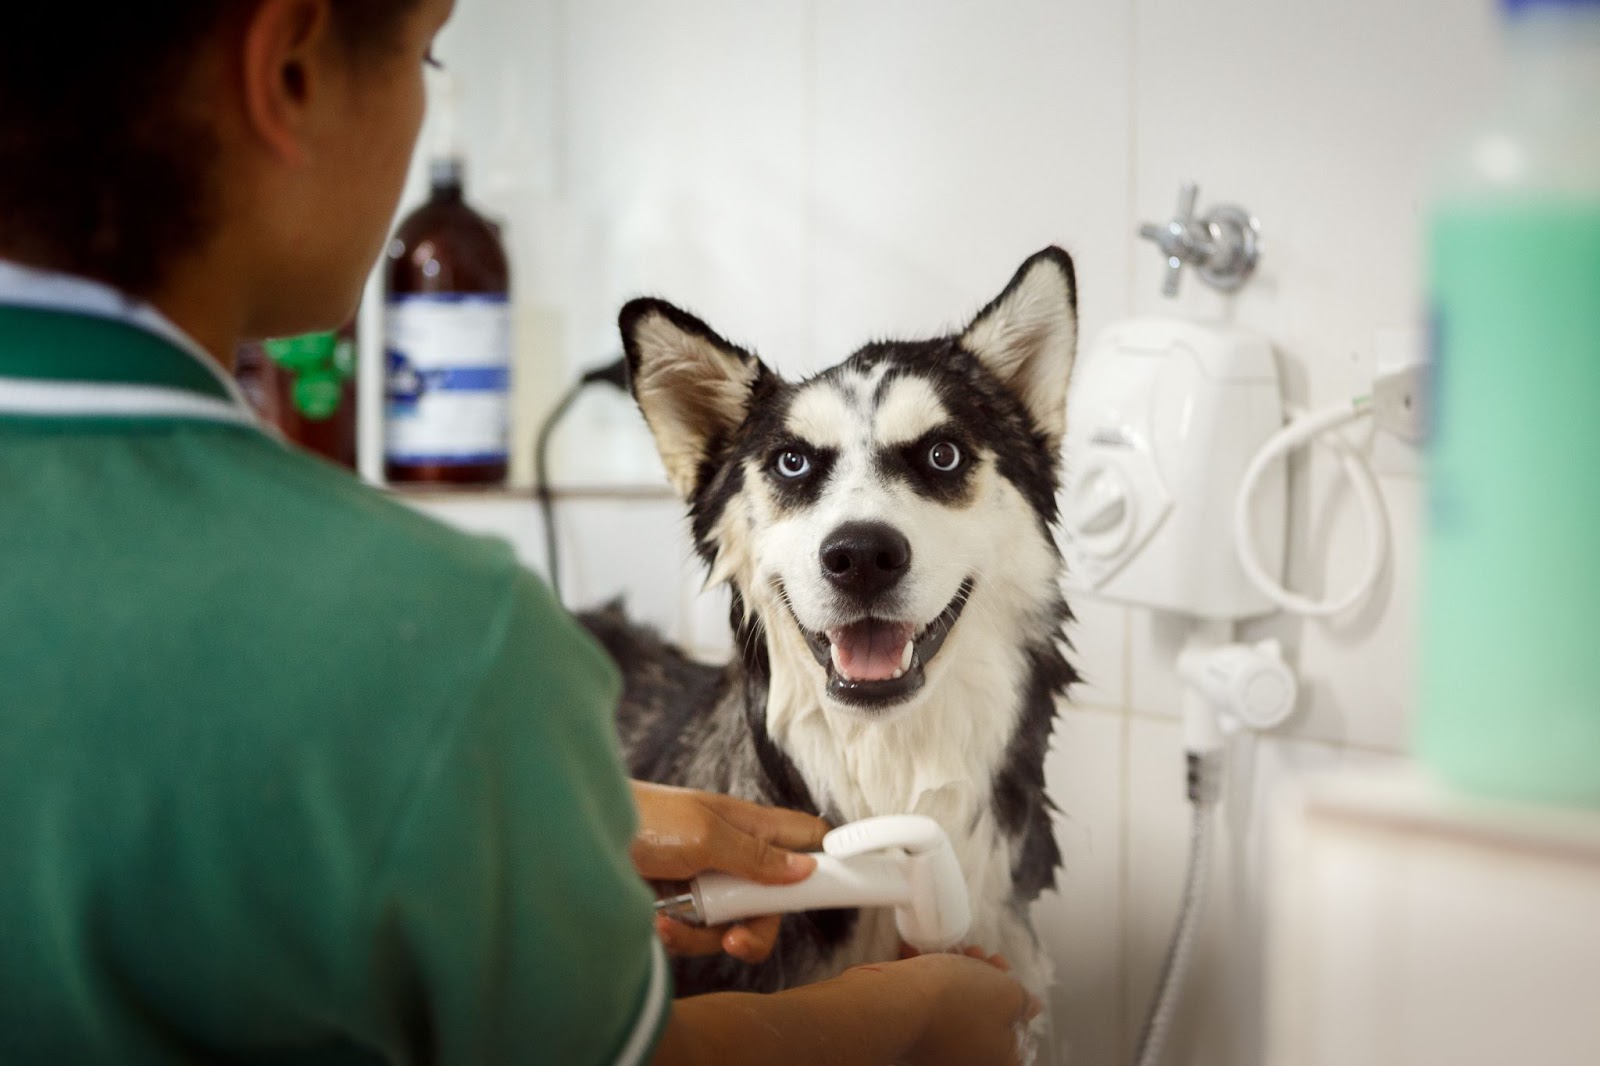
(933, 1010)
(930, 1010)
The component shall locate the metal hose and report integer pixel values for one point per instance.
(1205, 772)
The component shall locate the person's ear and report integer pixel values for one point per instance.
(283, 47)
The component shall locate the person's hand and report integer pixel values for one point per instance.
(683, 833)
(976, 1013)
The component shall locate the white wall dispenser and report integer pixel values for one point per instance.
(1163, 419)
(1175, 498)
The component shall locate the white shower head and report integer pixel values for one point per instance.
(903, 861)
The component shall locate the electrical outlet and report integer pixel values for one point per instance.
(1399, 400)
(1397, 403)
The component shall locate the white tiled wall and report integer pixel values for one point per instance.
(808, 174)
(952, 140)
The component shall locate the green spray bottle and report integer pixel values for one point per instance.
(1510, 700)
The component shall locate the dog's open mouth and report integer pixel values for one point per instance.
(874, 662)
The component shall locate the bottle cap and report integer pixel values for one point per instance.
(314, 359)
(303, 352)
(445, 151)
(445, 172)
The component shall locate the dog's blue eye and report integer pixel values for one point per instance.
(944, 457)
(792, 464)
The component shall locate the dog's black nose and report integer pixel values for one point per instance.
(865, 558)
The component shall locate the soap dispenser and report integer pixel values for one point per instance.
(1510, 682)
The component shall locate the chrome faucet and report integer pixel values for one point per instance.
(1223, 245)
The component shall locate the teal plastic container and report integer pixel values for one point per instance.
(1510, 670)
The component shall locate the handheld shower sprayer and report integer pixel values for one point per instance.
(903, 861)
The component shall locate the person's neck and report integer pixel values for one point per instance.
(204, 299)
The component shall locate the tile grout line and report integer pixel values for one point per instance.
(1120, 1037)
(1365, 749)
(1104, 709)
(1124, 801)
(1127, 657)
(809, 125)
(1131, 220)
(1356, 746)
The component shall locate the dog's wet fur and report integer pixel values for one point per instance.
(904, 499)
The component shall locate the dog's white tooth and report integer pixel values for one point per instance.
(897, 675)
(905, 657)
(838, 667)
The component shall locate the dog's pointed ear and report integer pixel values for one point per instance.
(1029, 335)
(693, 387)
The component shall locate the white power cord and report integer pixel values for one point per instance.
(1301, 430)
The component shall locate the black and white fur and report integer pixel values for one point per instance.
(960, 553)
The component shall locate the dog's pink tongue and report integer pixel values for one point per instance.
(869, 651)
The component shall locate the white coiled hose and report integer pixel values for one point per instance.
(1304, 429)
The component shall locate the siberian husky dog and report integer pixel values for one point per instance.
(885, 530)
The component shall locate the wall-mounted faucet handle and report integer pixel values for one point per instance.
(1223, 245)
(1176, 238)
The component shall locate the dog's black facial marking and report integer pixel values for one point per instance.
(765, 438)
(976, 399)
(992, 415)
(798, 472)
(720, 478)
(720, 486)
(939, 466)
(903, 358)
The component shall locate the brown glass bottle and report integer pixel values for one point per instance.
(447, 342)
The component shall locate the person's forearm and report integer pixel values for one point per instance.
(863, 1018)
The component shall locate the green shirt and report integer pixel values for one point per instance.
(288, 773)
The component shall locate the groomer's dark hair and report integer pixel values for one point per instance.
(105, 170)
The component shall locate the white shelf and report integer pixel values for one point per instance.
(1413, 927)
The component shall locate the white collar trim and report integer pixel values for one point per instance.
(50, 290)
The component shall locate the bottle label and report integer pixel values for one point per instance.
(449, 378)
